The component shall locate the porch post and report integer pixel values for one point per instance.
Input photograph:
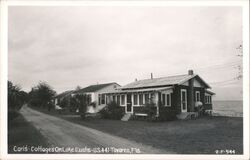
(157, 98)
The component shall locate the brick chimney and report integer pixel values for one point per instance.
(190, 72)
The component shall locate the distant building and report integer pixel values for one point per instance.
(60, 97)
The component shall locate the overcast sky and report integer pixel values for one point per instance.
(70, 46)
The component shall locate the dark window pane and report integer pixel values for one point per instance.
(103, 98)
(99, 99)
(183, 96)
(164, 99)
(146, 98)
(168, 99)
(135, 99)
(140, 99)
(118, 99)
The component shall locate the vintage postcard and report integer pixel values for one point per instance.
(125, 79)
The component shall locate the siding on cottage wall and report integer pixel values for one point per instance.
(176, 99)
(141, 109)
(110, 88)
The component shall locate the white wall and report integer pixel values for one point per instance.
(110, 88)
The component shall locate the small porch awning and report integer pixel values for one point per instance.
(140, 90)
(209, 92)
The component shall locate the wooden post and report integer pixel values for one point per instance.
(157, 98)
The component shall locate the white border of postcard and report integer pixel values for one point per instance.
(4, 70)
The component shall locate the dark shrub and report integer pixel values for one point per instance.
(16, 97)
(35, 102)
(112, 111)
(64, 103)
(12, 114)
(167, 114)
(150, 110)
(41, 95)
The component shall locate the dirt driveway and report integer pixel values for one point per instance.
(62, 133)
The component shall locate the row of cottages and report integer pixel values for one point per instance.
(182, 93)
(96, 100)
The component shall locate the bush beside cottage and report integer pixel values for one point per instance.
(112, 111)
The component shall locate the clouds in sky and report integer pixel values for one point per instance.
(70, 46)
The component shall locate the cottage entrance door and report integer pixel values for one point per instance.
(183, 100)
(129, 104)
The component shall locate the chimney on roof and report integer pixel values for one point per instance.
(136, 79)
(151, 75)
(190, 72)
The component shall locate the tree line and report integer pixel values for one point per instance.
(41, 96)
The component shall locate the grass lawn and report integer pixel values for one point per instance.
(201, 136)
(23, 135)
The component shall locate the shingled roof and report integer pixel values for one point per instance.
(63, 94)
(94, 88)
(164, 81)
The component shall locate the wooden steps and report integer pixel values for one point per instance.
(126, 117)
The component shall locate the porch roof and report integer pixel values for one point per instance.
(209, 92)
(140, 90)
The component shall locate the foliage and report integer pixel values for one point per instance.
(150, 110)
(16, 99)
(112, 111)
(41, 95)
(64, 103)
(73, 104)
(79, 102)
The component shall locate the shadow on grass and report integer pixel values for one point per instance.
(22, 135)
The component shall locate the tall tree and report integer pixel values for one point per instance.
(16, 97)
(42, 94)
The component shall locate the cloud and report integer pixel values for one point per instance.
(70, 46)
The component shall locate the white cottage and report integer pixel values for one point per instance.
(96, 94)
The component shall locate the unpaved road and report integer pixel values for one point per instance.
(62, 133)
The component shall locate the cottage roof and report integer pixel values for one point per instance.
(64, 94)
(94, 88)
(164, 81)
(140, 90)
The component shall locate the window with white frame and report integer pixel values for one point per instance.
(166, 99)
(208, 99)
(118, 99)
(122, 100)
(197, 96)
